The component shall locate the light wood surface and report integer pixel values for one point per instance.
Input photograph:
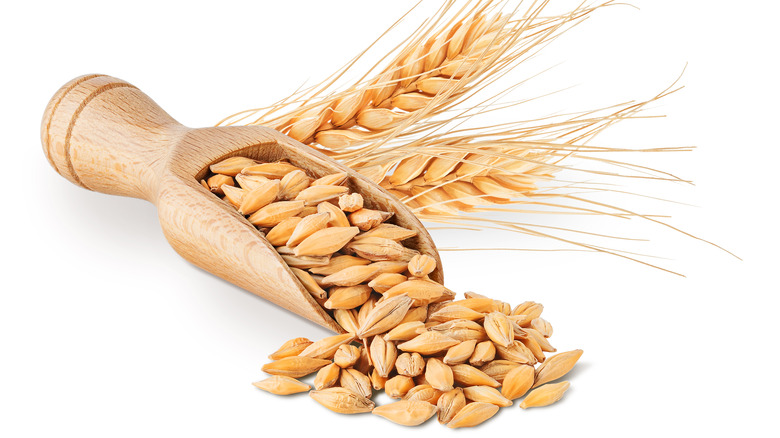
(104, 134)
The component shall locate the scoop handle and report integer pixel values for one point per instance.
(106, 135)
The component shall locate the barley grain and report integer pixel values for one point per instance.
(484, 352)
(545, 395)
(499, 369)
(517, 382)
(449, 404)
(356, 382)
(326, 241)
(280, 234)
(407, 412)
(398, 386)
(460, 353)
(290, 348)
(499, 329)
(281, 385)
(325, 348)
(467, 375)
(272, 214)
(351, 202)
(472, 415)
(270, 170)
(385, 316)
(383, 355)
(428, 343)
(424, 392)
(215, 183)
(346, 355)
(410, 364)
(342, 400)
(486, 394)
(231, 166)
(439, 375)
(348, 297)
(306, 227)
(295, 366)
(405, 331)
(556, 367)
(327, 376)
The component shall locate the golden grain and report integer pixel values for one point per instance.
(348, 297)
(346, 355)
(306, 227)
(388, 231)
(272, 214)
(467, 375)
(280, 234)
(338, 263)
(407, 412)
(315, 195)
(351, 276)
(380, 249)
(290, 348)
(231, 166)
(383, 355)
(499, 369)
(424, 392)
(449, 404)
(270, 170)
(405, 331)
(342, 400)
(398, 386)
(439, 375)
(499, 329)
(325, 348)
(385, 316)
(460, 353)
(542, 326)
(472, 415)
(410, 364)
(350, 202)
(292, 184)
(385, 281)
(428, 343)
(233, 195)
(334, 179)
(486, 394)
(421, 265)
(258, 197)
(215, 183)
(517, 382)
(337, 217)
(556, 367)
(356, 382)
(451, 313)
(326, 241)
(309, 284)
(282, 385)
(545, 395)
(295, 366)
(347, 319)
(327, 376)
(377, 381)
(484, 352)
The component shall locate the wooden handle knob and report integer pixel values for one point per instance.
(104, 134)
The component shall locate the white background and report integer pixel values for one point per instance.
(105, 331)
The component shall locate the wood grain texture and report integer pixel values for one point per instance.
(104, 134)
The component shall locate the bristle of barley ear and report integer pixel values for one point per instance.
(402, 123)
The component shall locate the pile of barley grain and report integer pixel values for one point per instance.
(454, 354)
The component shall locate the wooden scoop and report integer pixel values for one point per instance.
(104, 134)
